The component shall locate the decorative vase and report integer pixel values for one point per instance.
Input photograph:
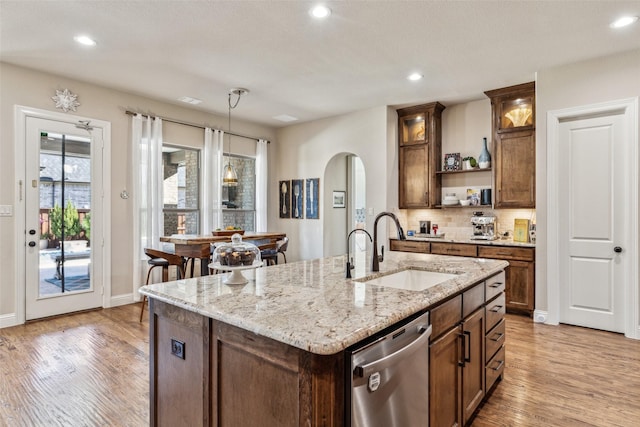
(484, 159)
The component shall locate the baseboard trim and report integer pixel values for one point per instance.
(8, 320)
(121, 300)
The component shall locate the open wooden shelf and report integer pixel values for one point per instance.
(463, 171)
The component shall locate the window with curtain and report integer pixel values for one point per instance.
(239, 202)
(181, 190)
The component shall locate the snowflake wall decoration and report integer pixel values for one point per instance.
(66, 100)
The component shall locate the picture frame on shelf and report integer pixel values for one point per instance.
(452, 162)
(473, 195)
(339, 199)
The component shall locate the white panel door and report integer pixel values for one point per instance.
(593, 196)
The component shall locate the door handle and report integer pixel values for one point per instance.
(617, 249)
(467, 347)
(380, 364)
(32, 244)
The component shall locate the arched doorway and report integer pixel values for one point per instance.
(345, 173)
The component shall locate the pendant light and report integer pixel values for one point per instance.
(229, 176)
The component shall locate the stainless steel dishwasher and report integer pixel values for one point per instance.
(389, 379)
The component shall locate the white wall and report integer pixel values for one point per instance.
(30, 88)
(304, 151)
(589, 82)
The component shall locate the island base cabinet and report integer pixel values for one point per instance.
(473, 363)
(226, 376)
(179, 379)
(261, 382)
(445, 379)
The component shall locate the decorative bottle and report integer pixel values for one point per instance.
(484, 159)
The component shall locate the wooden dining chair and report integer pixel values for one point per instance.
(162, 259)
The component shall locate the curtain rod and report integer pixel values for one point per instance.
(166, 119)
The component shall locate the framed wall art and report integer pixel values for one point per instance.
(285, 199)
(311, 203)
(297, 198)
(339, 199)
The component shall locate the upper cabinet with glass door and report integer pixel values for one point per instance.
(413, 129)
(514, 107)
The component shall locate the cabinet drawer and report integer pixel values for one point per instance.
(472, 299)
(495, 368)
(453, 249)
(506, 252)
(495, 285)
(410, 246)
(445, 316)
(495, 339)
(495, 311)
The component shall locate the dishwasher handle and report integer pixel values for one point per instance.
(381, 364)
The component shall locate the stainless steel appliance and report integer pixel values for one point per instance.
(483, 227)
(388, 377)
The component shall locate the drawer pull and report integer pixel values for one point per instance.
(497, 368)
(497, 337)
(495, 285)
(496, 308)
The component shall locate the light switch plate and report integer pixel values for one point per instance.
(6, 210)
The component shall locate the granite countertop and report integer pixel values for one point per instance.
(310, 305)
(497, 242)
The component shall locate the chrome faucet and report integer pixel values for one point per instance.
(375, 264)
(349, 264)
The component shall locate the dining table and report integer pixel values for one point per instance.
(193, 246)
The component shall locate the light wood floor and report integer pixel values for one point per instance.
(91, 369)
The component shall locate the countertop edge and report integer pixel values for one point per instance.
(337, 336)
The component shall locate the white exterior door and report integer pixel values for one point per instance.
(63, 202)
(594, 233)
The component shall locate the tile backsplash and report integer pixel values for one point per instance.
(456, 222)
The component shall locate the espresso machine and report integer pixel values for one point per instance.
(483, 227)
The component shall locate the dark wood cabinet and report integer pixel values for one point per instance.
(410, 246)
(419, 145)
(473, 365)
(514, 142)
(520, 276)
(457, 354)
(458, 249)
(228, 376)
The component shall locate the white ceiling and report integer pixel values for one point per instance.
(356, 59)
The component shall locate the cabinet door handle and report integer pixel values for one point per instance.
(497, 337)
(497, 368)
(495, 285)
(496, 308)
(461, 362)
(467, 347)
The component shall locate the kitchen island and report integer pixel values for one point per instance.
(271, 352)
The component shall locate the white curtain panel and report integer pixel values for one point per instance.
(212, 181)
(146, 147)
(261, 185)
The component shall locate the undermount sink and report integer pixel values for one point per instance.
(409, 279)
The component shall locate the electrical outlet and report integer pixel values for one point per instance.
(177, 348)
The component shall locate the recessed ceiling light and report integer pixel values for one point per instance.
(320, 11)
(285, 118)
(623, 22)
(190, 100)
(415, 76)
(85, 40)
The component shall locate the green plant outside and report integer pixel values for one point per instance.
(70, 220)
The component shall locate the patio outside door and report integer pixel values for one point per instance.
(62, 215)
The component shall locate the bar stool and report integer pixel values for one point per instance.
(162, 259)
